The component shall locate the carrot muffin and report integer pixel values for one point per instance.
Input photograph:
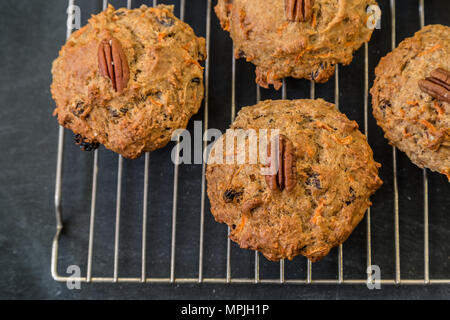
(128, 79)
(319, 193)
(411, 98)
(296, 38)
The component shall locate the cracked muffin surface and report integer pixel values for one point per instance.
(292, 38)
(129, 78)
(413, 120)
(318, 197)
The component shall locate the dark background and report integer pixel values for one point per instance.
(32, 33)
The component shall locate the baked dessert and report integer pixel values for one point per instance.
(295, 38)
(411, 97)
(128, 79)
(316, 198)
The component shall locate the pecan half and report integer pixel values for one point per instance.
(437, 85)
(285, 176)
(113, 63)
(298, 10)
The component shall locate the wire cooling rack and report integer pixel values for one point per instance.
(227, 277)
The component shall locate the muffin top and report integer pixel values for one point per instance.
(295, 38)
(411, 97)
(320, 192)
(129, 78)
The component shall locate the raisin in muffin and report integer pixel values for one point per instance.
(317, 197)
(295, 38)
(128, 79)
(411, 97)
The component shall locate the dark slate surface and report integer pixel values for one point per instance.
(31, 35)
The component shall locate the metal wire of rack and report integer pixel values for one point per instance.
(143, 278)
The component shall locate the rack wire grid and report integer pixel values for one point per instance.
(227, 278)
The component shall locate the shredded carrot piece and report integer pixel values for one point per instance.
(318, 212)
(235, 174)
(428, 125)
(322, 125)
(186, 46)
(438, 108)
(448, 176)
(355, 124)
(161, 36)
(446, 171)
(155, 102)
(282, 27)
(315, 218)
(306, 148)
(406, 134)
(241, 225)
(314, 21)
(345, 141)
(324, 55)
(432, 49)
(413, 103)
(192, 61)
(365, 20)
(309, 151)
(298, 57)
